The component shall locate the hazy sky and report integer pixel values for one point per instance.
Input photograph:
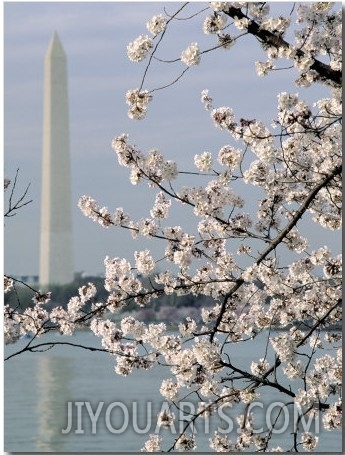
(95, 36)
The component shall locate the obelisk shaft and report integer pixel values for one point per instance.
(56, 257)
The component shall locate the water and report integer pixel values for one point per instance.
(38, 387)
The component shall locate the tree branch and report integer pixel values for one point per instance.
(52, 344)
(325, 72)
(298, 215)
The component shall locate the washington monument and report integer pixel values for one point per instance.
(56, 257)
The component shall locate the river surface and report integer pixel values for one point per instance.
(41, 388)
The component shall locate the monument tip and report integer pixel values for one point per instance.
(55, 46)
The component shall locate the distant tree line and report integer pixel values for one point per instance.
(22, 297)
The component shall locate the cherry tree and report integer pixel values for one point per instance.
(275, 284)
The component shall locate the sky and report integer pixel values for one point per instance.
(95, 36)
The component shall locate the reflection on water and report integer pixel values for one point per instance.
(38, 387)
(53, 385)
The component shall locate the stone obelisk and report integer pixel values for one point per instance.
(56, 256)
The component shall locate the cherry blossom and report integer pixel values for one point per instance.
(203, 162)
(138, 49)
(156, 25)
(165, 419)
(153, 444)
(138, 101)
(309, 442)
(214, 24)
(249, 253)
(191, 55)
(8, 284)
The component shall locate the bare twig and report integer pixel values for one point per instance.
(14, 206)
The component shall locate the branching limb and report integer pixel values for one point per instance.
(21, 202)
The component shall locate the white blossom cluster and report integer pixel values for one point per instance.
(87, 292)
(214, 24)
(242, 23)
(138, 49)
(221, 443)
(319, 34)
(160, 209)
(169, 389)
(203, 162)
(321, 31)
(276, 25)
(165, 419)
(191, 55)
(186, 443)
(207, 100)
(259, 368)
(309, 442)
(156, 24)
(332, 417)
(12, 325)
(152, 167)
(8, 284)
(92, 210)
(220, 6)
(118, 276)
(263, 68)
(223, 117)
(41, 298)
(278, 285)
(153, 444)
(70, 319)
(229, 156)
(144, 262)
(138, 101)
